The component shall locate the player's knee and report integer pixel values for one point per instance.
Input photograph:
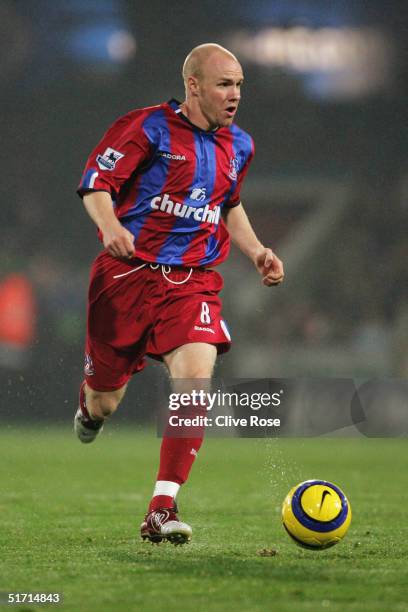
(198, 371)
(107, 406)
(191, 370)
(192, 361)
(102, 404)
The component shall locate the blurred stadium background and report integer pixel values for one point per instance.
(326, 102)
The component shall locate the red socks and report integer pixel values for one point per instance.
(177, 456)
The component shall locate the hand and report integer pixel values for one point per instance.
(118, 241)
(269, 266)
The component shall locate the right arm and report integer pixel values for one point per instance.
(124, 147)
(116, 239)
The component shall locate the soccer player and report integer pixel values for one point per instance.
(163, 187)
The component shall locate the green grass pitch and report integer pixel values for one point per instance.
(70, 516)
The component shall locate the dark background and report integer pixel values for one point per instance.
(325, 99)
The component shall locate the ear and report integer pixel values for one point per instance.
(193, 85)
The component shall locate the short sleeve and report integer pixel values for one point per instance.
(121, 151)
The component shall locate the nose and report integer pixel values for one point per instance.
(235, 94)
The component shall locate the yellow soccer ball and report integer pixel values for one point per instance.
(316, 514)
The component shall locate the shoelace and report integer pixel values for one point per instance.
(164, 270)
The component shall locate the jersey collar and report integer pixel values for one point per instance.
(175, 106)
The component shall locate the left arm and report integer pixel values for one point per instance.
(243, 236)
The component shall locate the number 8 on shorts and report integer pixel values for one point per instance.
(205, 313)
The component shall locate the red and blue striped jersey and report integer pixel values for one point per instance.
(169, 181)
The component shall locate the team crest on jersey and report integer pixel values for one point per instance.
(89, 369)
(234, 167)
(198, 194)
(109, 159)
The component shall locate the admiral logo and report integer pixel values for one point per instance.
(172, 156)
(202, 215)
(109, 159)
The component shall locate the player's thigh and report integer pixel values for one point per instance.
(193, 360)
(116, 327)
(189, 313)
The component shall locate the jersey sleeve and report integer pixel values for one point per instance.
(235, 197)
(121, 151)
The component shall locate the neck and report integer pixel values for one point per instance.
(195, 115)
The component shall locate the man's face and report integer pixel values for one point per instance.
(219, 90)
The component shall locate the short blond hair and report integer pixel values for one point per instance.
(195, 59)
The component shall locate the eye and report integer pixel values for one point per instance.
(229, 84)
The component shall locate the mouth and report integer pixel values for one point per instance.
(231, 110)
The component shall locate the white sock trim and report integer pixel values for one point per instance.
(166, 487)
